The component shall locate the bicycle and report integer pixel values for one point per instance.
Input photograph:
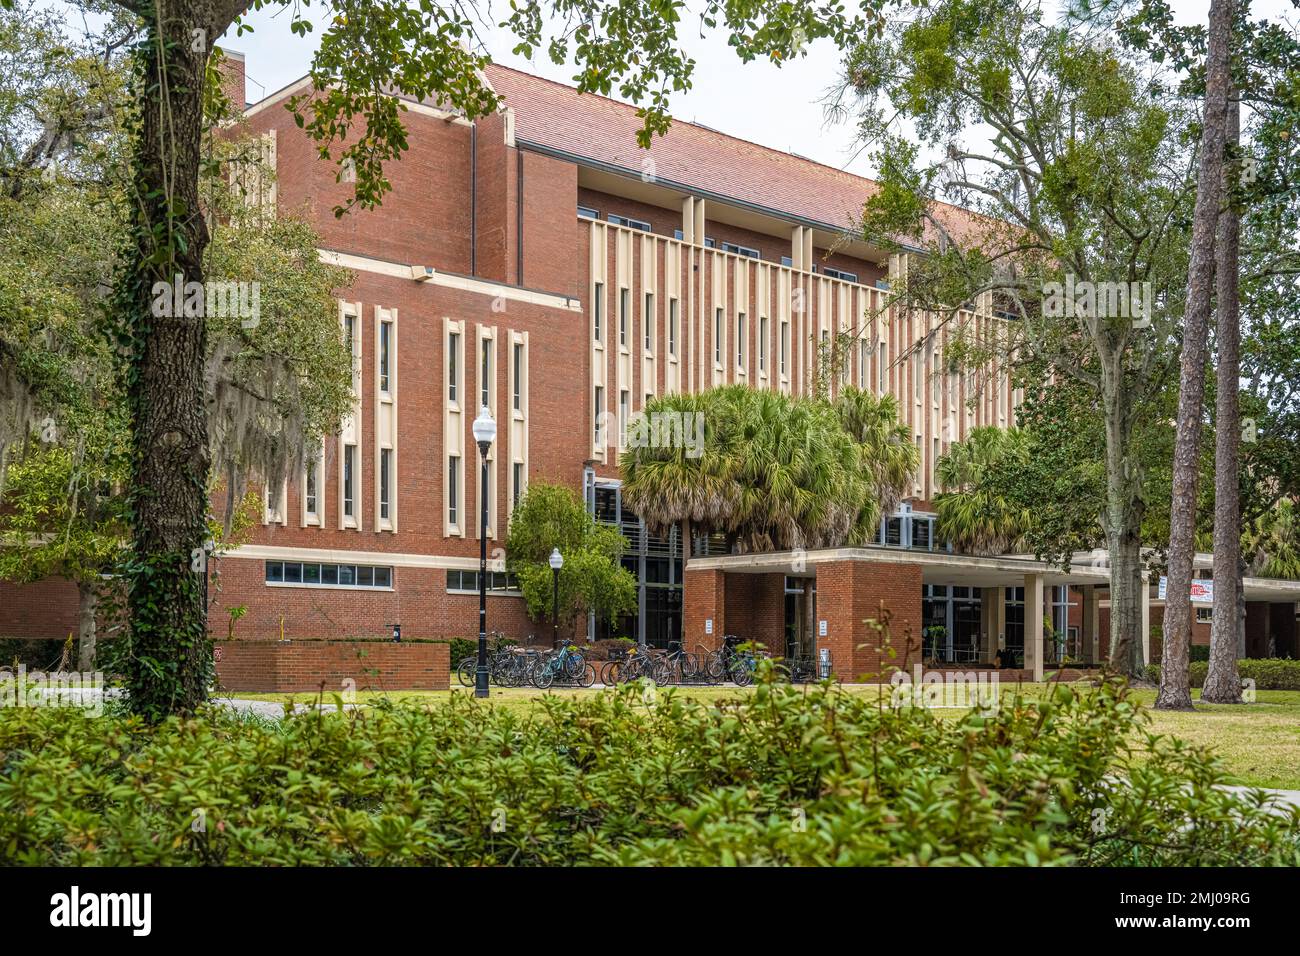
(566, 664)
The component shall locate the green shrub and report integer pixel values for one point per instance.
(1267, 673)
(461, 648)
(809, 775)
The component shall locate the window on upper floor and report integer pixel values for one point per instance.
(787, 261)
(587, 212)
(840, 274)
(629, 223)
(741, 250)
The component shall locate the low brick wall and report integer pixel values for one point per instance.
(294, 666)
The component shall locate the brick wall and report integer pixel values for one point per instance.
(334, 666)
(45, 609)
(851, 592)
(755, 609)
(704, 598)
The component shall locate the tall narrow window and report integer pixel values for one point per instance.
(624, 305)
(717, 336)
(880, 370)
(740, 339)
(785, 344)
(385, 341)
(309, 492)
(518, 388)
(762, 343)
(599, 409)
(453, 368)
(517, 481)
(349, 480)
(385, 482)
(864, 354)
(598, 312)
(672, 327)
(485, 375)
(350, 334)
(648, 321)
(453, 490)
(623, 401)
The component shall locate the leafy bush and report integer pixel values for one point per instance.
(461, 648)
(1267, 673)
(784, 775)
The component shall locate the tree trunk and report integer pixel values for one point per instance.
(1175, 693)
(1222, 683)
(170, 664)
(87, 603)
(1123, 524)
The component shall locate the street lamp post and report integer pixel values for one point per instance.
(557, 562)
(485, 432)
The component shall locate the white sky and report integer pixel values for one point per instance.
(779, 108)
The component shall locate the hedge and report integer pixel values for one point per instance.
(1267, 673)
(808, 775)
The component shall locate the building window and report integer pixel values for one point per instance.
(350, 332)
(516, 482)
(624, 306)
(672, 327)
(864, 354)
(839, 274)
(598, 310)
(349, 479)
(314, 574)
(648, 321)
(882, 284)
(467, 581)
(741, 250)
(518, 387)
(485, 375)
(740, 340)
(709, 243)
(785, 344)
(762, 343)
(453, 369)
(717, 337)
(586, 212)
(623, 401)
(309, 490)
(599, 409)
(385, 482)
(385, 342)
(787, 261)
(630, 223)
(453, 490)
(880, 370)
(678, 234)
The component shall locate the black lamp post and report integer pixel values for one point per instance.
(557, 562)
(485, 432)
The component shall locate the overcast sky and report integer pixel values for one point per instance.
(780, 108)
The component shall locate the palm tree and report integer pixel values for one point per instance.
(886, 452)
(775, 472)
(1271, 543)
(972, 513)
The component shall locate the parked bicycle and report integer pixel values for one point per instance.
(566, 665)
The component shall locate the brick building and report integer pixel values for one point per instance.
(539, 263)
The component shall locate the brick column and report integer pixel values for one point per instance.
(755, 609)
(1091, 630)
(849, 593)
(704, 598)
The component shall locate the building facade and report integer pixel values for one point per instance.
(541, 264)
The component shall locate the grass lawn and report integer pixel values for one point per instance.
(1258, 743)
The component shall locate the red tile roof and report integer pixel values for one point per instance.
(594, 127)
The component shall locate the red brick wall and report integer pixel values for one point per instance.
(704, 597)
(312, 666)
(45, 609)
(851, 592)
(756, 609)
